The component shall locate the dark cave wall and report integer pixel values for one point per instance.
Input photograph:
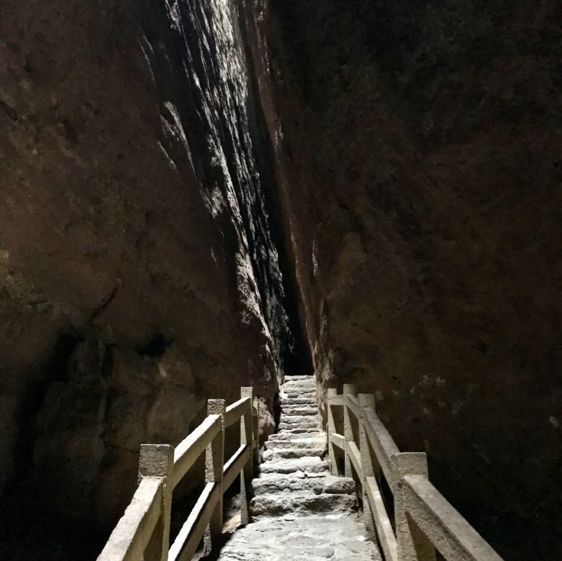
(419, 161)
(138, 270)
(417, 149)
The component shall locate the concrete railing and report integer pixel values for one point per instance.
(144, 530)
(396, 482)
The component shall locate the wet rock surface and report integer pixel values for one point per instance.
(301, 511)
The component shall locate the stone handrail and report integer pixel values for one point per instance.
(144, 530)
(424, 521)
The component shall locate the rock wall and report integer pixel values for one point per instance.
(417, 151)
(139, 274)
(419, 160)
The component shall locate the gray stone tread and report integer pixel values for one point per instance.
(301, 503)
(296, 442)
(301, 411)
(305, 400)
(339, 537)
(304, 465)
(289, 484)
(289, 453)
(295, 435)
(301, 512)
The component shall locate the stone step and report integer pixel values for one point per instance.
(317, 537)
(312, 424)
(310, 401)
(290, 415)
(297, 465)
(296, 434)
(296, 421)
(299, 410)
(296, 394)
(289, 434)
(309, 404)
(304, 443)
(302, 427)
(278, 504)
(297, 386)
(296, 428)
(308, 420)
(286, 484)
(300, 396)
(286, 453)
(310, 382)
(298, 378)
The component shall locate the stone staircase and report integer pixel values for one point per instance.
(300, 510)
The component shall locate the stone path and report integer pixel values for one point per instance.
(300, 511)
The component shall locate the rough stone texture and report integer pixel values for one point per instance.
(138, 270)
(419, 153)
(304, 513)
(301, 539)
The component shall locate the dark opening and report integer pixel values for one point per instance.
(31, 524)
(54, 370)
(155, 347)
(297, 358)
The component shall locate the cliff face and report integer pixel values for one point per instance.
(419, 160)
(139, 275)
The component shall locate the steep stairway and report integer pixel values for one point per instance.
(300, 511)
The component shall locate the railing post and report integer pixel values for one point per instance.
(413, 544)
(256, 432)
(366, 400)
(214, 465)
(157, 460)
(348, 389)
(247, 437)
(332, 392)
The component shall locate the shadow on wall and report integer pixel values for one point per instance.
(421, 163)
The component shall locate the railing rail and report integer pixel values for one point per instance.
(190, 449)
(413, 522)
(144, 530)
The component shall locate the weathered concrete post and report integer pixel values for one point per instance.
(332, 392)
(256, 433)
(157, 460)
(348, 389)
(366, 400)
(214, 464)
(412, 543)
(247, 437)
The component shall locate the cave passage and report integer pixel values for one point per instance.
(297, 359)
(296, 356)
(295, 353)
